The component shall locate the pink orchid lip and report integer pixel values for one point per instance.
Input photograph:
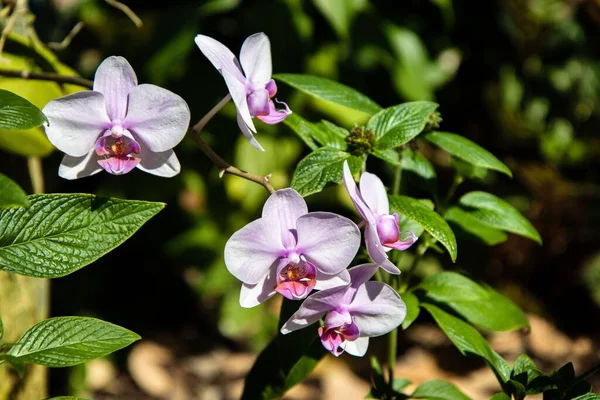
(296, 280)
(117, 153)
(387, 228)
(332, 338)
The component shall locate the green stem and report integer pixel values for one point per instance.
(36, 174)
(392, 349)
(397, 180)
(421, 249)
(455, 184)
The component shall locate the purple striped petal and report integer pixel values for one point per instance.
(377, 252)
(356, 197)
(255, 57)
(377, 309)
(374, 194)
(115, 78)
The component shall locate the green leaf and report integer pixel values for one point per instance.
(415, 162)
(286, 361)
(587, 396)
(497, 213)
(468, 341)
(399, 384)
(431, 221)
(467, 222)
(18, 113)
(438, 389)
(412, 309)
(500, 396)
(321, 167)
(340, 13)
(479, 305)
(324, 133)
(67, 341)
(397, 125)
(61, 233)
(468, 151)
(523, 363)
(390, 156)
(11, 195)
(14, 362)
(331, 91)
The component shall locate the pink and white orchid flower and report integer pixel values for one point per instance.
(353, 313)
(117, 126)
(382, 233)
(251, 88)
(291, 251)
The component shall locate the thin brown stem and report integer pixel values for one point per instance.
(223, 166)
(127, 11)
(47, 76)
(67, 40)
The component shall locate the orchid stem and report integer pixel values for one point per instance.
(47, 76)
(36, 174)
(456, 181)
(223, 166)
(392, 349)
(421, 249)
(397, 180)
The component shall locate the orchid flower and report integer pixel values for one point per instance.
(291, 251)
(353, 313)
(118, 125)
(381, 233)
(251, 88)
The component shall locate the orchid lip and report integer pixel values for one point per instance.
(296, 280)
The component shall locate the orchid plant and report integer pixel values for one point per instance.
(336, 294)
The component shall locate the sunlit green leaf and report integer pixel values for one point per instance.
(399, 124)
(321, 167)
(492, 211)
(331, 91)
(479, 305)
(18, 113)
(324, 133)
(431, 221)
(438, 389)
(412, 309)
(11, 195)
(61, 233)
(67, 341)
(471, 225)
(466, 150)
(468, 341)
(340, 13)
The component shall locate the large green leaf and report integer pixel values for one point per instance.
(479, 305)
(466, 150)
(286, 361)
(412, 309)
(14, 362)
(431, 221)
(467, 340)
(61, 233)
(324, 133)
(67, 341)
(438, 389)
(18, 113)
(492, 211)
(321, 167)
(399, 124)
(417, 163)
(331, 91)
(466, 221)
(11, 195)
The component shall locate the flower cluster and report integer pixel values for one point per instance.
(292, 252)
(120, 125)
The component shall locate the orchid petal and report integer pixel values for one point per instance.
(238, 93)
(164, 163)
(253, 295)
(157, 117)
(76, 121)
(356, 347)
(377, 309)
(115, 78)
(313, 308)
(255, 58)
(251, 251)
(329, 241)
(335, 319)
(332, 281)
(282, 209)
(79, 167)
(403, 245)
(275, 116)
(119, 165)
(377, 252)
(246, 131)
(362, 274)
(227, 64)
(374, 194)
(356, 197)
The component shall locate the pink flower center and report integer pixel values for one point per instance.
(296, 280)
(333, 338)
(117, 153)
(387, 229)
